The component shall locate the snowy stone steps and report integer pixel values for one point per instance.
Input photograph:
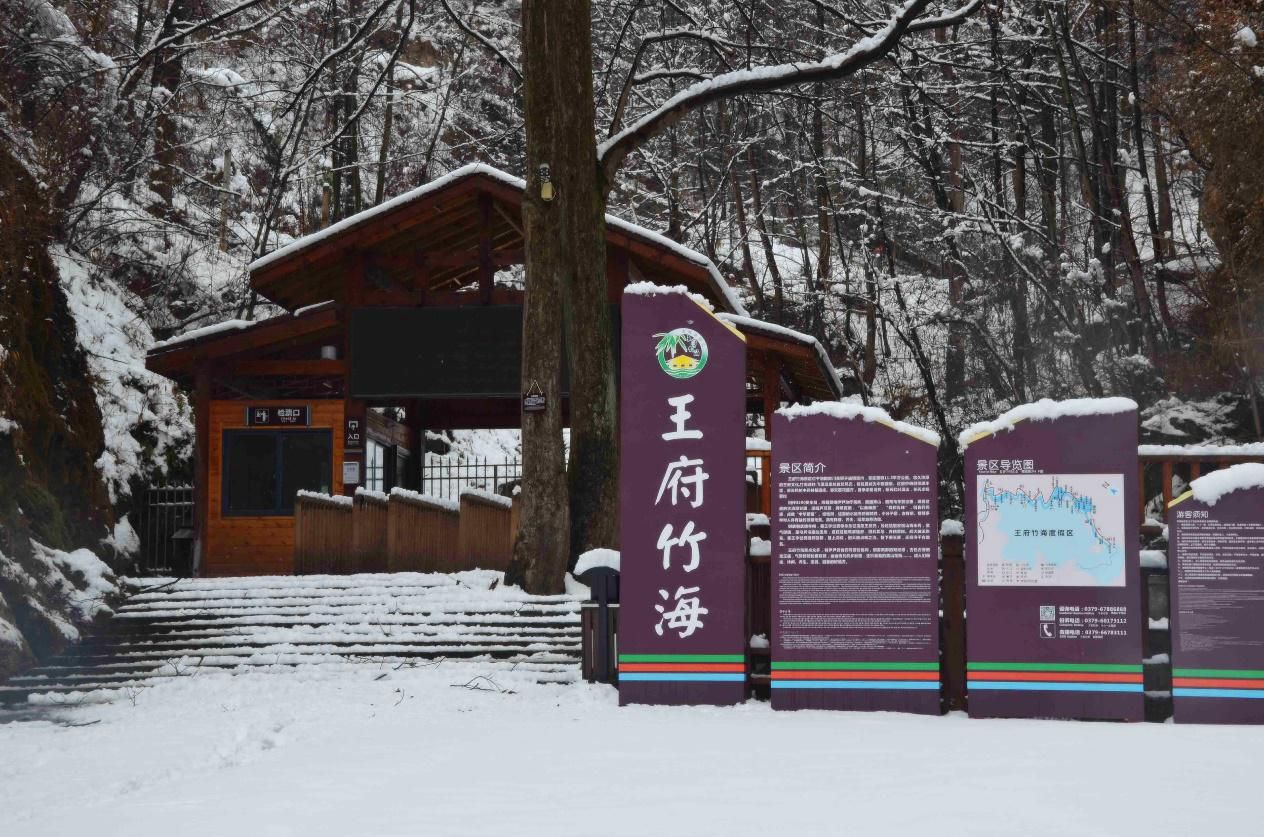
(170, 628)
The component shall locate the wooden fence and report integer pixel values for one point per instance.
(485, 539)
(368, 532)
(322, 534)
(421, 532)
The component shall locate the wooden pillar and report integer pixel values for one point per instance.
(1141, 491)
(201, 465)
(952, 548)
(416, 445)
(772, 391)
(486, 268)
(1167, 485)
(355, 429)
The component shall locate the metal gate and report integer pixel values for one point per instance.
(164, 523)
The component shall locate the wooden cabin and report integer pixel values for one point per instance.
(415, 303)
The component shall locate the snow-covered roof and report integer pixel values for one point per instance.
(1045, 409)
(204, 331)
(846, 410)
(1210, 488)
(299, 245)
(745, 323)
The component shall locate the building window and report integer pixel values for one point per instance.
(374, 466)
(263, 470)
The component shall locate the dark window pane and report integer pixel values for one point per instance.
(306, 465)
(250, 463)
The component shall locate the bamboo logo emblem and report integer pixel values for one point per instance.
(681, 352)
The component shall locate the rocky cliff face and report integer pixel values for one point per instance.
(53, 501)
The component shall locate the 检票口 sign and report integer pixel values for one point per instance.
(1052, 565)
(855, 561)
(270, 416)
(682, 617)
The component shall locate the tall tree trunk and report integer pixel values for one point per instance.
(566, 283)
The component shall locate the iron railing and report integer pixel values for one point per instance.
(447, 479)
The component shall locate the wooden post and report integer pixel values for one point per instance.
(1167, 485)
(954, 596)
(486, 268)
(201, 464)
(772, 391)
(1141, 491)
(355, 428)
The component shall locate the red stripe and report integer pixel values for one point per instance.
(1216, 683)
(682, 667)
(1056, 676)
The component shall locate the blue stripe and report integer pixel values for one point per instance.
(855, 684)
(1030, 686)
(683, 676)
(1219, 693)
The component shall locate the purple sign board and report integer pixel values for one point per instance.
(682, 612)
(1217, 577)
(855, 561)
(1052, 566)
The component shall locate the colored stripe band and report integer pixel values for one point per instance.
(1217, 693)
(856, 684)
(682, 667)
(1218, 683)
(1248, 673)
(1100, 667)
(680, 677)
(855, 675)
(1016, 686)
(682, 658)
(823, 666)
(1053, 676)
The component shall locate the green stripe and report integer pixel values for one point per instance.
(817, 666)
(1090, 667)
(681, 658)
(1244, 673)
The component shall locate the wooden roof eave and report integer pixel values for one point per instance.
(181, 359)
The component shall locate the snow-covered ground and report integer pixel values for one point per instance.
(369, 751)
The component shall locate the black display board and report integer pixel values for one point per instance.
(470, 351)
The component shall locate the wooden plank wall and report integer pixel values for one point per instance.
(420, 536)
(484, 535)
(255, 545)
(322, 536)
(369, 533)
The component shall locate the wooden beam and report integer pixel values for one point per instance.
(295, 368)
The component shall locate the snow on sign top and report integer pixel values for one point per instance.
(300, 244)
(650, 289)
(1209, 451)
(1210, 488)
(1046, 409)
(594, 558)
(845, 410)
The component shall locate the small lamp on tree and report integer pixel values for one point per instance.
(546, 182)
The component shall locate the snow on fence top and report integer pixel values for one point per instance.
(300, 244)
(594, 558)
(441, 503)
(204, 331)
(1209, 451)
(757, 444)
(487, 497)
(750, 323)
(1046, 409)
(379, 496)
(846, 410)
(952, 529)
(336, 499)
(1211, 488)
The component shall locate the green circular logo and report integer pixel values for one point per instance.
(681, 352)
